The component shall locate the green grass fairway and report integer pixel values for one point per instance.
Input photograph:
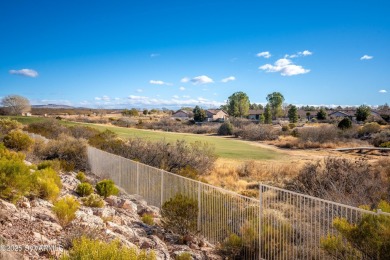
(225, 147)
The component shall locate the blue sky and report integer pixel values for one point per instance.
(118, 54)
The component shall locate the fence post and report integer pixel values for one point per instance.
(260, 216)
(199, 206)
(138, 178)
(162, 188)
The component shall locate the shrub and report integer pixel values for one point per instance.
(85, 248)
(379, 138)
(15, 177)
(369, 128)
(352, 182)
(47, 184)
(49, 128)
(257, 132)
(184, 256)
(85, 132)
(54, 164)
(385, 145)
(84, 189)
(285, 128)
(106, 188)
(93, 201)
(81, 176)
(319, 134)
(179, 214)
(345, 123)
(7, 125)
(148, 219)
(18, 141)
(65, 210)
(70, 151)
(369, 237)
(231, 246)
(226, 128)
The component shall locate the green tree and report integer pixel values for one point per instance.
(261, 119)
(267, 114)
(131, 112)
(321, 115)
(275, 100)
(362, 113)
(345, 123)
(238, 104)
(145, 112)
(256, 106)
(199, 114)
(293, 114)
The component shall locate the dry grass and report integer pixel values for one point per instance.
(243, 176)
(291, 142)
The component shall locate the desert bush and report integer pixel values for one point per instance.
(231, 247)
(148, 219)
(84, 189)
(65, 209)
(85, 248)
(93, 201)
(257, 132)
(226, 128)
(319, 134)
(171, 157)
(385, 145)
(47, 184)
(180, 214)
(54, 164)
(184, 256)
(345, 123)
(285, 128)
(106, 188)
(17, 140)
(71, 152)
(368, 238)
(369, 128)
(85, 132)
(81, 176)
(380, 138)
(188, 172)
(50, 128)
(7, 125)
(247, 169)
(15, 177)
(240, 122)
(352, 182)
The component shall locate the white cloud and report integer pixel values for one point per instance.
(98, 98)
(139, 90)
(182, 88)
(366, 57)
(201, 80)
(185, 96)
(383, 91)
(185, 80)
(103, 98)
(264, 54)
(286, 68)
(25, 72)
(174, 102)
(299, 54)
(305, 53)
(231, 78)
(159, 82)
(153, 55)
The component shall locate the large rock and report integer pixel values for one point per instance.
(160, 247)
(112, 200)
(89, 220)
(127, 204)
(104, 212)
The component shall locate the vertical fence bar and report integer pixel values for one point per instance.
(199, 207)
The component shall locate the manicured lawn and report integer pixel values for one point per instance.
(225, 147)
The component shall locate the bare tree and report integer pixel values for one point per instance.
(15, 105)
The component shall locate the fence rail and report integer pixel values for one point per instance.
(280, 224)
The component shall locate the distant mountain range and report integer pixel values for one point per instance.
(54, 106)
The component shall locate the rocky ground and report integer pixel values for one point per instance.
(33, 223)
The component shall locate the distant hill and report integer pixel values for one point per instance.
(53, 106)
